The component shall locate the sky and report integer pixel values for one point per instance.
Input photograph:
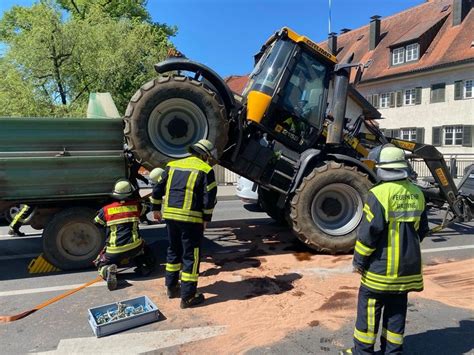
(225, 34)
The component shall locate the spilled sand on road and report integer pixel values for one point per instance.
(267, 293)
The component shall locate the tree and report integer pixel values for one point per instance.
(61, 54)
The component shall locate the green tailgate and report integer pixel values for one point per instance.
(50, 159)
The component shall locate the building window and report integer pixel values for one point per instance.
(437, 92)
(410, 96)
(398, 56)
(453, 135)
(408, 134)
(384, 100)
(468, 89)
(412, 52)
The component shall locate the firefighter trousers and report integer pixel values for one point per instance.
(370, 307)
(183, 256)
(21, 217)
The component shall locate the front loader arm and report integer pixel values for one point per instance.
(438, 168)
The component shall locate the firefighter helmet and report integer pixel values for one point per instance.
(391, 164)
(203, 147)
(122, 189)
(156, 174)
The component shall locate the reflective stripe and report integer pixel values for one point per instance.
(19, 216)
(173, 267)
(390, 249)
(113, 236)
(368, 213)
(364, 337)
(181, 217)
(122, 209)
(211, 186)
(185, 276)
(188, 196)
(392, 280)
(122, 220)
(209, 211)
(155, 201)
(363, 249)
(191, 163)
(183, 212)
(196, 261)
(123, 248)
(371, 315)
(396, 250)
(135, 231)
(168, 184)
(392, 287)
(394, 338)
(98, 220)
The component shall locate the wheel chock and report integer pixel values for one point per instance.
(40, 265)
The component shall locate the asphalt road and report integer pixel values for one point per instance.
(451, 330)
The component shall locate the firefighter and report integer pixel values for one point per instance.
(121, 219)
(387, 255)
(18, 221)
(190, 189)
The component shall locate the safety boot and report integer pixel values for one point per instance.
(173, 291)
(345, 352)
(15, 233)
(192, 301)
(109, 274)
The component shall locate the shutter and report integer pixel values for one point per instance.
(420, 135)
(392, 100)
(395, 133)
(458, 90)
(387, 132)
(418, 96)
(467, 136)
(375, 99)
(436, 138)
(399, 98)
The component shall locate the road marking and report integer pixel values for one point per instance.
(19, 256)
(142, 342)
(29, 291)
(437, 250)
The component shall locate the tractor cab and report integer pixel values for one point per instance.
(286, 95)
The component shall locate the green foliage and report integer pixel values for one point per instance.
(58, 52)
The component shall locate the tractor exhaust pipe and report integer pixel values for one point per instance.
(338, 106)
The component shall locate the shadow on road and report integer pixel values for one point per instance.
(453, 340)
(249, 288)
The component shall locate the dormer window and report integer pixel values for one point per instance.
(412, 52)
(406, 54)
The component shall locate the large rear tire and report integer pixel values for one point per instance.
(71, 240)
(327, 207)
(168, 114)
(267, 199)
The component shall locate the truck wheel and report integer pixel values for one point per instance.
(327, 207)
(267, 199)
(168, 114)
(71, 240)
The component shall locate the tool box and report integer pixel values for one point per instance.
(116, 317)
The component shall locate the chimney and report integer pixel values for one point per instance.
(332, 43)
(374, 35)
(345, 30)
(460, 10)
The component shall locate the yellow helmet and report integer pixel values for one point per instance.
(156, 174)
(392, 158)
(122, 189)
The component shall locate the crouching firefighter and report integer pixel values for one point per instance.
(387, 255)
(123, 244)
(190, 189)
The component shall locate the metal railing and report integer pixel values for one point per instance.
(456, 163)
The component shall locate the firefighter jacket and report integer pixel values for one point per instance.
(190, 190)
(387, 250)
(121, 220)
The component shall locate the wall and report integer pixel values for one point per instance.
(428, 115)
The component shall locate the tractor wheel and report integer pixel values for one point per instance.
(168, 114)
(71, 240)
(267, 199)
(327, 207)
